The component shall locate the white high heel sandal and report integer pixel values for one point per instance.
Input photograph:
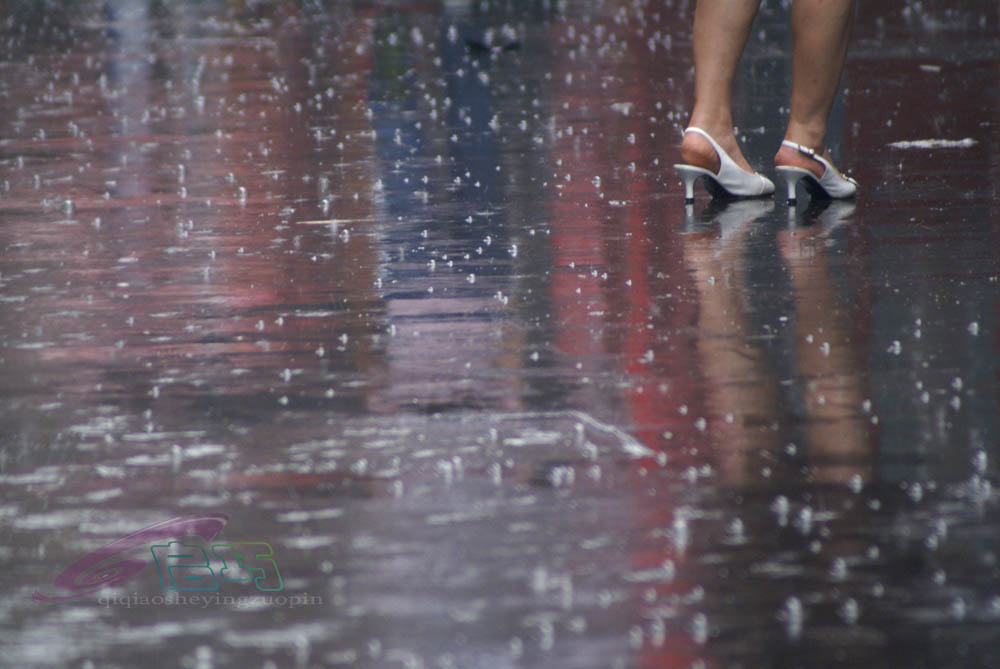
(730, 181)
(831, 184)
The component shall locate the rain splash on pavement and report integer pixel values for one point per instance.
(396, 311)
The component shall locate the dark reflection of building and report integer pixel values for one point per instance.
(451, 218)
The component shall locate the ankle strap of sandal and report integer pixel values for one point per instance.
(802, 149)
(806, 151)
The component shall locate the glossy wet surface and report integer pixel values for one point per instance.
(409, 292)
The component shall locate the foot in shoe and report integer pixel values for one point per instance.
(698, 151)
(796, 162)
(789, 156)
(720, 173)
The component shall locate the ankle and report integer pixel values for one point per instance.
(715, 118)
(812, 136)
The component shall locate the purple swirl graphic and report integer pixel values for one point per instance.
(88, 575)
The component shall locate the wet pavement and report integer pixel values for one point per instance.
(408, 293)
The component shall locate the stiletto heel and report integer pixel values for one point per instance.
(792, 176)
(730, 180)
(831, 185)
(689, 174)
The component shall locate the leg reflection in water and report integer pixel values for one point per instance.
(741, 395)
(808, 404)
(827, 358)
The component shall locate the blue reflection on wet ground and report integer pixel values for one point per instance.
(409, 292)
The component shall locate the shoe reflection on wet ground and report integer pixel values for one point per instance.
(429, 317)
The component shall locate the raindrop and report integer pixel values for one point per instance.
(657, 632)
(736, 530)
(792, 614)
(805, 519)
(979, 461)
(699, 628)
(850, 611)
(838, 570)
(958, 609)
(546, 632)
(855, 483)
(635, 637)
(680, 533)
(203, 657)
(780, 506)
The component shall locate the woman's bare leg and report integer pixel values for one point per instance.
(820, 30)
(721, 29)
